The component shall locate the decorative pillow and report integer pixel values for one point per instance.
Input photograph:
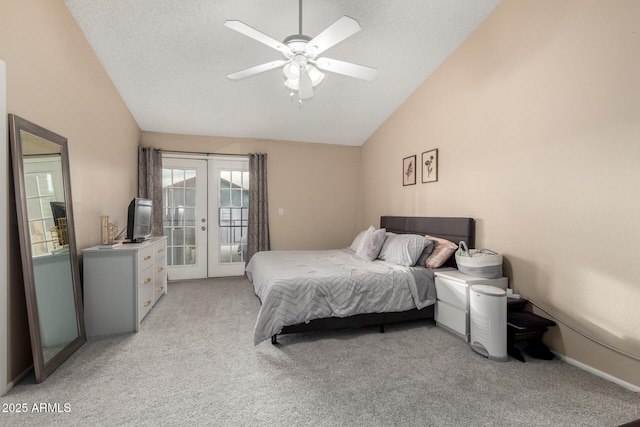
(442, 250)
(402, 249)
(428, 248)
(371, 244)
(356, 242)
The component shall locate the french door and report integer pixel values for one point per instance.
(205, 209)
(229, 215)
(184, 202)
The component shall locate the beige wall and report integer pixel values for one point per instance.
(55, 81)
(536, 118)
(315, 184)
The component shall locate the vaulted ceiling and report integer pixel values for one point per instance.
(169, 60)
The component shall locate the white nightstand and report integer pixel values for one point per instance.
(452, 305)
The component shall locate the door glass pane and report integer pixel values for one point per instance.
(190, 178)
(179, 201)
(178, 178)
(225, 197)
(178, 236)
(166, 178)
(190, 253)
(178, 197)
(232, 216)
(225, 179)
(190, 236)
(190, 197)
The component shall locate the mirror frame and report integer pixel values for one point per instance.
(16, 126)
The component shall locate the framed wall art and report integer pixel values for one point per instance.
(430, 166)
(409, 170)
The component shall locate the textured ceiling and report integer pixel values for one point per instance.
(169, 60)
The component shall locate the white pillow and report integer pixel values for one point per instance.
(402, 249)
(371, 244)
(442, 251)
(356, 242)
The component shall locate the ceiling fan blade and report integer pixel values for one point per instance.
(347, 68)
(306, 87)
(257, 69)
(248, 31)
(338, 31)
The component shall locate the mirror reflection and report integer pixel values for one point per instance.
(46, 215)
(50, 268)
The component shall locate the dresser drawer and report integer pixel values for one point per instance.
(159, 283)
(159, 269)
(158, 252)
(145, 297)
(452, 318)
(159, 273)
(145, 258)
(452, 292)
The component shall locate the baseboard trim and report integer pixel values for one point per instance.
(19, 378)
(598, 373)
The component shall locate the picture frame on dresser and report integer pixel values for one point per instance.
(409, 170)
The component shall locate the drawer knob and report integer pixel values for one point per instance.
(160, 289)
(147, 280)
(146, 303)
(160, 250)
(148, 257)
(160, 269)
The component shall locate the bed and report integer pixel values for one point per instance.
(304, 291)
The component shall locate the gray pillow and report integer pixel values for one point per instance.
(428, 248)
(402, 249)
(371, 244)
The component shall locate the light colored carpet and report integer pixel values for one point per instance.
(194, 363)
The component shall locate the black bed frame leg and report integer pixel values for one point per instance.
(274, 339)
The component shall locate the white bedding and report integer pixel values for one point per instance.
(299, 286)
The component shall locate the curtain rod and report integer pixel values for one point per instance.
(203, 153)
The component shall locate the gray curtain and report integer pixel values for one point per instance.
(150, 183)
(258, 227)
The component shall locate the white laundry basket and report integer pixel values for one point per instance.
(478, 262)
(488, 321)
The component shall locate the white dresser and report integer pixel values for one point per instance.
(122, 284)
(452, 305)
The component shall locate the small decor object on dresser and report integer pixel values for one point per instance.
(430, 166)
(409, 170)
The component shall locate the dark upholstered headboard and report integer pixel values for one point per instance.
(453, 229)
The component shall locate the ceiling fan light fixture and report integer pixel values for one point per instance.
(315, 75)
(292, 70)
(293, 84)
(301, 66)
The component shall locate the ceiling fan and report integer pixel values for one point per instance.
(301, 65)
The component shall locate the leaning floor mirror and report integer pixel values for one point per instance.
(47, 244)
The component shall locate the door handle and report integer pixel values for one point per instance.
(203, 228)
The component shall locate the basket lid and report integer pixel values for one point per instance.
(492, 291)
